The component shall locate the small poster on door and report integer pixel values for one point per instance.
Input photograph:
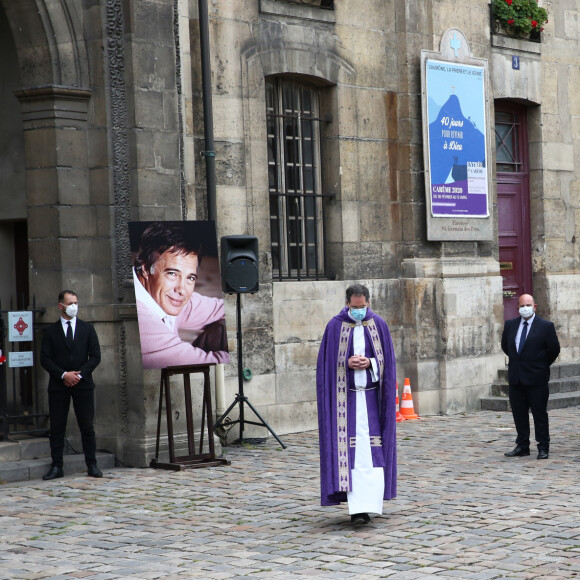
(20, 326)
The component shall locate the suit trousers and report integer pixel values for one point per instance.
(524, 398)
(84, 406)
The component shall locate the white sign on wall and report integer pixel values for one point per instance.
(20, 326)
(20, 359)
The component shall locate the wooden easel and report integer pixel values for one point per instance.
(193, 460)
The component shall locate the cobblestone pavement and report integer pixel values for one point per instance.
(463, 511)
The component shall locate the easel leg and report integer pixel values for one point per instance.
(169, 416)
(161, 385)
(189, 414)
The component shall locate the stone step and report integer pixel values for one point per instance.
(562, 385)
(24, 447)
(565, 370)
(31, 469)
(556, 401)
(557, 371)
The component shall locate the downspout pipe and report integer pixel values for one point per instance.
(209, 154)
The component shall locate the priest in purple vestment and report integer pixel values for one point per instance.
(356, 391)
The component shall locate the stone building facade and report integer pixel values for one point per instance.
(319, 154)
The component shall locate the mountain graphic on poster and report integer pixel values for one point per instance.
(433, 108)
(445, 159)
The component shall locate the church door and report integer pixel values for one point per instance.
(513, 204)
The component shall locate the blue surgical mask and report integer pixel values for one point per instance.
(358, 313)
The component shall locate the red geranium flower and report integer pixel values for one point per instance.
(509, 2)
(534, 24)
(511, 21)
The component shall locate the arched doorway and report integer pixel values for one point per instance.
(13, 237)
(513, 203)
(43, 60)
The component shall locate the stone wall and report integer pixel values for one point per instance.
(112, 131)
(373, 153)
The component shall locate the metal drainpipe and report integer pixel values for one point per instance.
(209, 153)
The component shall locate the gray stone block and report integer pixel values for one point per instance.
(495, 404)
(35, 448)
(9, 451)
(12, 471)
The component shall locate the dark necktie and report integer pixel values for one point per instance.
(69, 333)
(523, 336)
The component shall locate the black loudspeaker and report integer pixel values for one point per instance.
(239, 264)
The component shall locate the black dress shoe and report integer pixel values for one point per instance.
(54, 473)
(94, 471)
(542, 454)
(518, 452)
(360, 519)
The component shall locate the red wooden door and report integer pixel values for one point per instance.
(513, 204)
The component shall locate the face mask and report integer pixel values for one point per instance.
(358, 313)
(526, 311)
(71, 310)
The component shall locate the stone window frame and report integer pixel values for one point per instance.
(322, 68)
(508, 139)
(298, 9)
(294, 167)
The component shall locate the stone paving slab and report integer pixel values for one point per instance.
(463, 511)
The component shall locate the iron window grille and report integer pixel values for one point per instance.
(294, 179)
(326, 4)
(507, 130)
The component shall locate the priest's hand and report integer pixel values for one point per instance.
(359, 362)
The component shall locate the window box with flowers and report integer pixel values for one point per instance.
(519, 18)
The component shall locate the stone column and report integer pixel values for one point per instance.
(62, 223)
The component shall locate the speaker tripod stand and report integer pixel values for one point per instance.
(241, 399)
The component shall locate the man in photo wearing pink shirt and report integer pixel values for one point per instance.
(177, 326)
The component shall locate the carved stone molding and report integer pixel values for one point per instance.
(54, 102)
(123, 392)
(115, 66)
(179, 86)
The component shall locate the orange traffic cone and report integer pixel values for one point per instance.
(398, 416)
(407, 409)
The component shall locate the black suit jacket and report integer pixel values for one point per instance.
(57, 358)
(541, 349)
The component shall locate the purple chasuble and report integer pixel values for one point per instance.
(337, 406)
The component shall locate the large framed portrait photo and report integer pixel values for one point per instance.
(178, 292)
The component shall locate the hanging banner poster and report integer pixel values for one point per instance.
(457, 148)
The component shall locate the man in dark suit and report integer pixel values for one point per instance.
(532, 346)
(70, 352)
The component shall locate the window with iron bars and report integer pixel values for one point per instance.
(507, 142)
(294, 177)
(328, 4)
